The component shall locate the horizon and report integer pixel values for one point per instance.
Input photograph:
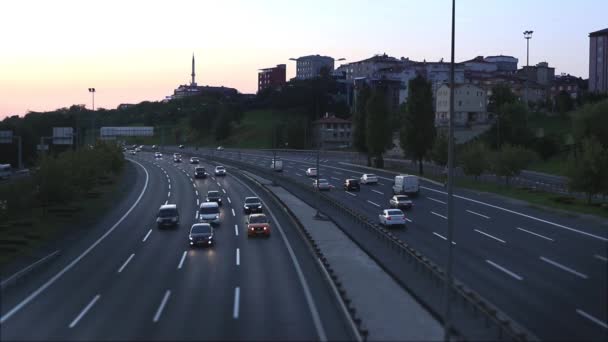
(125, 53)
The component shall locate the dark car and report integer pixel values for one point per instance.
(168, 216)
(214, 196)
(181, 146)
(199, 172)
(194, 160)
(400, 202)
(201, 234)
(352, 185)
(252, 205)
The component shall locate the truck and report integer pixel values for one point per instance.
(276, 165)
(406, 184)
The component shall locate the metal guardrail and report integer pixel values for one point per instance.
(474, 318)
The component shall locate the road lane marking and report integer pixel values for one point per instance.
(565, 268)
(84, 311)
(181, 262)
(159, 311)
(229, 201)
(597, 256)
(238, 257)
(490, 236)
(128, 260)
(198, 202)
(338, 172)
(297, 174)
(167, 202)
(196, 192)
(195, 214)
(146, 237)
(213, 178)
(224, 190)
(378, 192)
(372, 203)
(218, 184)
(350, 193)
(408, 220)
(194, 186)
(443, 237)
(478, 214)
(512, 274)
(169, 194)
(335, 178)
(235, 309)
(533, 233)
(168, 179)
(36, 293)
(236, 229)
(591, 318)
(233, 214)
(436, 200)
(169, 186)
(443, 217)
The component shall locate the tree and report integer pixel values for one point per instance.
(418, 125)
(501, 95)
(359, 119)
(591, 120)
(564, 102)
(510, 160)
(511, 126)
(439, 152)
(547, 146)
(587, 170)
(474, 159)
(223, 126)
(378, 135)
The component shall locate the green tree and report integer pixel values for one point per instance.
(592, 120)
(587, 170)
(474, 159)
(511, 126)
(359, 119)
(223, 126)
(439, 152)
(378, 135)
(564, 102)
(510, 160)
(418, 124)
(501, 94)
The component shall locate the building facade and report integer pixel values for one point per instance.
(470, 104)
(192, 89)
(272, 77)
(308, 67)
(504, 64)
(331, 132)
(598, 61)
(568, 83)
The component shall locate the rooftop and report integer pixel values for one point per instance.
(603, 32)
(331, 119)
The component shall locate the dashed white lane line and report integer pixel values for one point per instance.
(562, 267)
(159, 311)
(218, 184)
(512, 274)
(238, 257)
(198, 202)
(338, 172)
(350, 193)
(233, 213)
(536, 234)
(478, 214)
(169, 194)
(235, 309)
(224, 190)
(127, 261)
(181, 262)
(372, 203)
(229, 201)
(381, 184)
(194, 186)
(436, 200)
(167, 202)
(335, 178)
(169, 186)
(146, 237)
(408, 220)
(442, 237)
(168, 179)
(591, 318)
(378, 192)
(196, 192)
(443, 217)
(195, 214)
(604, 259)
(490, 236)
(297, 174)
(84, 311)
(236, 229)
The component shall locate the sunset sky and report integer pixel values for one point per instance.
(131, 51)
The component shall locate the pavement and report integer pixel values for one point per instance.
(128, 280)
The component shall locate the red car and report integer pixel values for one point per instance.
(258, 224)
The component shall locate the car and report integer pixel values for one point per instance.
(220, 148)
(220, 171)
(214, 196)
(252, 205)
(138, 149)
(168, 216)
(392, 217)
(323, 184)
(199, 172)
(141, 147)
(369, 178)
(177, 159)
(258, 224)
(209, 212)
(194, 160)
(201, 234)
(154, 147)
(181, 147)
(400, 202)
(158, 155)
(133, 152)
(352, 185)
(311, 172)
(406, 184)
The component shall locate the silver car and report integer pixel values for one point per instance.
(209, 212)
(392, 217)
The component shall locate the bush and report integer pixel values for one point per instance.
(547, 146)
(510, 160)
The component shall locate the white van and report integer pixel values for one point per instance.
(276, 165)
(406, 184)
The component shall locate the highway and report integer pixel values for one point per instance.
(546, 270)
(128, 280)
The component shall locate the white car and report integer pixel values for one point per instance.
(220, 171)
(158, 155)
(392, 217)
(194, 160)
(219, 148)
(369, 178)
(323, 184)
(311, 172)
(133, 151)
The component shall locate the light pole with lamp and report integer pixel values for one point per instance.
(92, 91)
(527, 36)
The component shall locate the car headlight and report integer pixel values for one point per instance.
(219, 199)
(211, 237)
(190, 238)
(217, 217)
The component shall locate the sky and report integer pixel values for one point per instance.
(51, 52)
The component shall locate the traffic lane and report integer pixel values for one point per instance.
(56, 306)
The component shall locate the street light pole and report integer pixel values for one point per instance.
(527, 36)
(92, 91)
(318, 197)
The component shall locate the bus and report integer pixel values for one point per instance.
(5, 171)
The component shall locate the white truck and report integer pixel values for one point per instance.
(406, 184)
(276, 165)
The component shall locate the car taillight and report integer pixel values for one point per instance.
(251, 228)
(388, 218)
(265, 228)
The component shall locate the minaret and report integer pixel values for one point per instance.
(193, 82)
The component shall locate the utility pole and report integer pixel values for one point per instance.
(527, 36)
(92, 91)
(318, 197)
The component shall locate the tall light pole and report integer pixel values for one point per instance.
(527, 36)
(451, 211)
(92, 91)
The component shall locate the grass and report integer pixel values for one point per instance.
(555, 165)
(256, 129)
(555, 124)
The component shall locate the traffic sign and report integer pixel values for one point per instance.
(6, 137)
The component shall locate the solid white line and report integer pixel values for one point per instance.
(378, 192)
(591, 318)
(443, 217)
(350, 193)
(233, 214)
(443, 237)
(436, 200)
(540, 236)
(372, 203)
(35, 294)
(126, 262)
(514, 275)
(181, 262)
(478, 214)
(565, 268)
(159, 311)
(597, 256)
(235, 309)
(146, 237)
(236, 229)
(84, 311)
(229, 201)
(490, 236)
(224, 190)
(238, 257)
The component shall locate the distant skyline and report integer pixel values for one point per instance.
(131, 51)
